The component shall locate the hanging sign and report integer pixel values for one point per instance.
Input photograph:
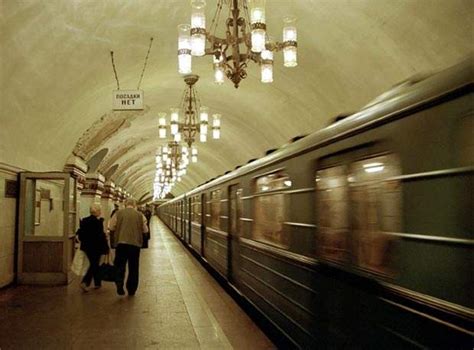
(127, 100)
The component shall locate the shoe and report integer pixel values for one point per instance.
(84, 287)
(120, 290)
(98, 287)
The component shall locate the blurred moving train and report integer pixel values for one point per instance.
(358, 235)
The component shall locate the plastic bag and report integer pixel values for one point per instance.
(80, 263)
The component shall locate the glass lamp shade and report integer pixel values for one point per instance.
(174, 114)
(184, 64)
(177, 137)
(184, 49)
(203, 137)
(198, 28)
(162, 125)
(290, 38)
(198, 45)
(216, 126)
(290, 58)
(162, 132)
(194, 159)
(216, 120)
(257, 11)
(204, 114)
(266, 68)
(267, 72)
(174, 122)
(203, 130)
(198, 18)
(289, 33)
(258, 40)
(267, 55)
(184, 39)
(218, 74)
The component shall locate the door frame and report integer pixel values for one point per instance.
(64, 276)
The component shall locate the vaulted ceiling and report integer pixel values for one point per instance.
(57, 77)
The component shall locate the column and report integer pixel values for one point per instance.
(92, 192)
(107, 201)
(77, 168)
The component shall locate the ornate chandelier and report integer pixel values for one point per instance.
(171, 163)
(188, 128)
(245, 40)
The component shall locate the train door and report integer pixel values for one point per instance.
(181, 219)
(188, 224)
(203, 222)
(235, 212)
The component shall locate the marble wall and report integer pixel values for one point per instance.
(7, 228)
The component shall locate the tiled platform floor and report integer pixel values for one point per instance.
(178, 305)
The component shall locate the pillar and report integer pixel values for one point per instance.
(92, 192)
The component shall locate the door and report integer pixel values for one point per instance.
(46, 227)
(189, 210)
(204, 212)
(235, 212)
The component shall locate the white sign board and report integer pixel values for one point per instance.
(127, 100)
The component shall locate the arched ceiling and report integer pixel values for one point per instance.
(57, 77)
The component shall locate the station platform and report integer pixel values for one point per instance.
(178, 305)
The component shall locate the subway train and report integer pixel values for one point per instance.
(358, 235)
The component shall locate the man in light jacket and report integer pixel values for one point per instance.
(128, 226)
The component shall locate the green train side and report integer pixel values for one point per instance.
(358, 235)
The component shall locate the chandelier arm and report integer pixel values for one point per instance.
(215, 19)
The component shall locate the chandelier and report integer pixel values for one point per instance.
(187, 129)
(171, 163)
(245, 40)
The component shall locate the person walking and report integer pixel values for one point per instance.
(127, 228)
(146, 238)
(94, 244)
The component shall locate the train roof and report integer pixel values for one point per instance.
(402, 98)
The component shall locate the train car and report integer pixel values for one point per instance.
(358, 235)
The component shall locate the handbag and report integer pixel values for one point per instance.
(107, 271)
(80, 263)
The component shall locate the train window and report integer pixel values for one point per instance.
(215, 209)
(196, 210)
(333, 215)
(270, 209)
(272, 182)
(375, 209)
(236, 208)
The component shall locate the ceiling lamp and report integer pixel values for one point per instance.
(245, 40)
(171, 164)
(186, 130)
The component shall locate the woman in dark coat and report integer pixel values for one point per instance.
(94, 244)
(146, 237)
